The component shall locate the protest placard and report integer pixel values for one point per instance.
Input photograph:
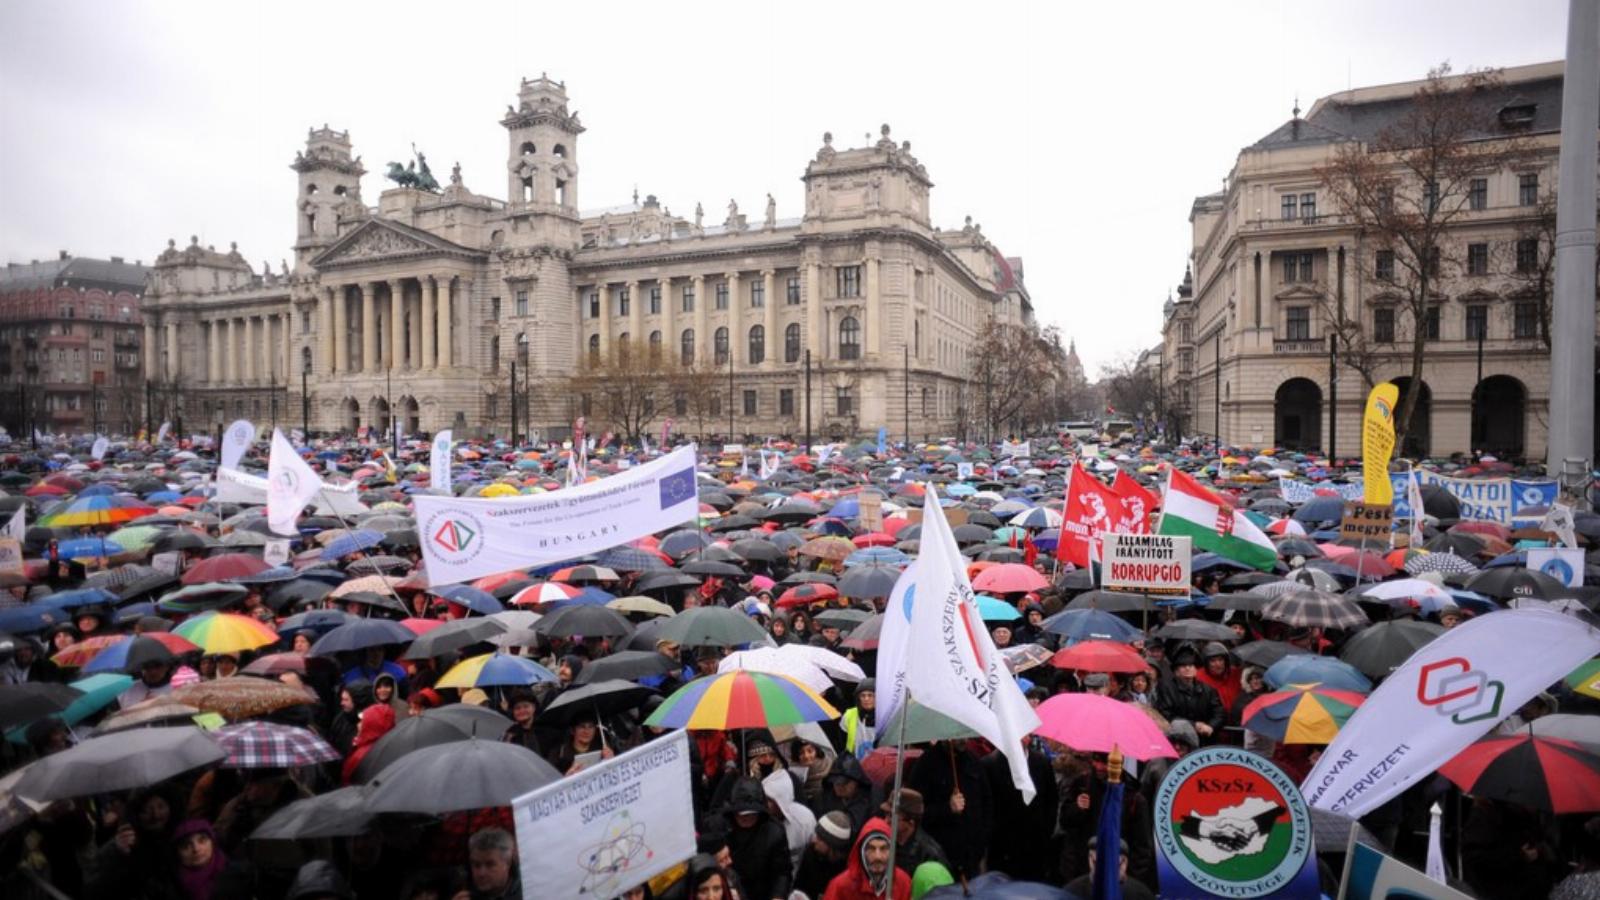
(1146, 563)
(1367, 522)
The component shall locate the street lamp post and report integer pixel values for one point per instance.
(730, 389)
(1333, 395)
(808, 400)
(305, 403)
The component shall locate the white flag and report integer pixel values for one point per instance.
(1435, 867)
(744, 466)
(770, 464)
(439, 464)
(957, 671)
(892, 643)
(162, 434)
(1448, 694)
(101, 445)
(18, 526)
(291, 484)
(1414, 500)
(1559, 521)
(236, 441)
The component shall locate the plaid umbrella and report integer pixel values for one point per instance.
(267, 745)
(1311, 608)
(1448, 563)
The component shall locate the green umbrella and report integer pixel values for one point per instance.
(137, 538)
(715, 626)
(922, 725)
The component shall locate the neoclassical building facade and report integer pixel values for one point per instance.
(418, 308)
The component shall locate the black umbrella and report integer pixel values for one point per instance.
(588, 621)
(971, 534)
(1112, 601)
(1265, 653)
(734, 523)
(1077, 580)
(474, 774)
(119, 762)
(869, 581)
(361, 634)
(758, 550)
(411, 734)
(1196, 630)
(791, 512)
(665, 580)
(1457, 542)
(1245, 601)
(1506, 582)
(715, 626)
(301, 590)
(597, 698)
(479, 721)
(1380, 649)
(183, 539)
(453, 636)
(1440, 503)
(20, 703)
(1320, 509)
(338, 813)
(713, 568)
(807, 577)
(626, 665)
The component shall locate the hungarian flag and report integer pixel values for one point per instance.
(1138, 501)
(1092, 509)
(1193, 511)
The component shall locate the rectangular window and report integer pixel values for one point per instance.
(655, 301)
(715, 405)
(494, 309)
(688, 299)
(843, 403)
(1527, 255)
(623, 299)
(1477, 322)
(1383, 325)
(594, 304)
(1306, 271)
(1430, 324)
(492, 406)
(1430, 196)
(848, 281)
(1434, 256)
(522, 303)
(749, 403)
(1528, 189)
(792, 297)
(1527, 319)
(1299, 323)
(758, 293)
(1478, 194)
(1289, 201)
(1383, 265)
(786, 402)
(722, 295)
(1297, 267)
(1308, 207)
(1477, 259)
(680, 405)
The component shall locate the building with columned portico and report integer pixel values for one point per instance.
(418, 307)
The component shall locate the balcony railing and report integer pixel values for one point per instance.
(1299, 346)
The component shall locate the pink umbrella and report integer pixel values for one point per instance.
(1092, 723)
(1009, 578)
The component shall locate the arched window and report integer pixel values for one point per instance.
(758, 344)
(594, 349)
(686, 344)
(522, 349)
(559, 151)
(528, 149)
(655, 346)
(849, 338)
(719, 345)
(791, 343)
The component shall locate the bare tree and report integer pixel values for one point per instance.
(628, 390)
(1015, 372)
(698, 386)
(1129, 387)
(1404, 191)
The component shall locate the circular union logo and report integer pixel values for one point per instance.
(456, 537)
(1558, 569)
(1232, 823)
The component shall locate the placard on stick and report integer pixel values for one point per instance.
(1366, 522)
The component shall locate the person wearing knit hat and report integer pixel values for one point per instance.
(860, 722)
(826, 855)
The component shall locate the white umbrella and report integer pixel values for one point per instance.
(1408, 588)
(767, 659)
(826, 660)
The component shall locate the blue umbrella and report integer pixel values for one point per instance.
(352, 542)
(98, 693)
(323, 620)
(1204, 561)
(1047, 540)
(876, 556)
(1038, 517)
(960, 489)
(630, 559)
(1321, 509)
(1090, 624)
(993, 609)
(80, 597)
(588, 596)
(479, 601)
(97, 490)
(846, 508)
(679, 543)
(1324, 670)
(25, 619)
(88, 548)
(1514, 558)
(163, 496)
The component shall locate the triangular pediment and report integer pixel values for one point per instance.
(1298, 292)
(378, 240)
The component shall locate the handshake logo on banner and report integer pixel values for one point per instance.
(1453, 688)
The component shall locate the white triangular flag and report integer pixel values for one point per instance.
(101, 445)
(1559, 520)
(18, 526)
(1435, 868)
(439, 463)
(291, 484)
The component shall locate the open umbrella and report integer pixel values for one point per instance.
(131, 655)
(1312, 608)
(770, 659)
(360, 634)
(269, 745)
(1196, 630)
(1095, 724)
(626, 665)
(1301, 714)
(1113, 601)
(913, 723)
(715, 626)
(474, 720)
(119, 762)
(597, 698)
(475, 774)
(1009, 578)
(242, 696)
(1380, 649)
(1265, 653)
(495, 670)
(1506, 582)
(1545, 773)
(454, 635)
(1100, 656)
(158, 710)
(217, 633)
(223, 567)
(1088, 624)
(865, 581)
(338, 813)
(412, 734)
(22, 703)
(588, 621)
(1325, 670)
(741, 699)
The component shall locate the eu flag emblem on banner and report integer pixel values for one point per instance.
(677, 487)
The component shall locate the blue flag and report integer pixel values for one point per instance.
(1108, 846)
(883, 439)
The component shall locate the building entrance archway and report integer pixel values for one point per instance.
(1499, 409)
(1297, 415)
(352, 415)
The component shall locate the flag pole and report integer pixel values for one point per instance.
(894, 796)
(322, 492)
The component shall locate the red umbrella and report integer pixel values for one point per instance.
(1550, 774)
(221, 568)
(1009, 578)
(807, 594)
(874, 539)
(45, 490)
(63, 480)
(1492, 529)
(1369, 564)
(1100, 656)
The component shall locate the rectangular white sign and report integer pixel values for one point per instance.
(467, 538)
(610, 827)
(1561, 563)
(1146, 563)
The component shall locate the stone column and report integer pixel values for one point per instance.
(230, 352)
(369, 327)
(671, 352)
(214, 369)
(635, 315)
(446, 313)
(769, 281)
(339, 335)
(702, 331)
(736, 336)
(604, 290)
(150, 356)
(397, 325)
(288, 341)
(814, 340)
(874, 340)
(249, 349)
(430, 297)
(414, 318)
(173, 367)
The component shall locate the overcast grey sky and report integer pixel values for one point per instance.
(1077, 133)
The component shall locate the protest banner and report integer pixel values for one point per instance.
(1377, 443)
(439, 461)
(236, 442)
(1016, 449)
(17, 524)
(101, 445)
(169, 563)
(1371, 875)
(468, 537)
(610, 827)
(1561, 563)
(964, 471)
(275, 553)
(1366, 522)
(1146, 564)
(1448, 693)
(334, 499)
(1302, 491)
(11, 555)
(871, 512)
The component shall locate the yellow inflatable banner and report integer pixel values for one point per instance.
(1377, 443)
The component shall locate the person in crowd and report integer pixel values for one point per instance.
(867, 875)
(759, 846)
(1219, 673)
(583, 737)
(913, 845)
(1132, 888)
(200, 862)
(860, 722)
(799, 822)
(1185, 696)
(826, 853)
(492, 867)
(847, 788)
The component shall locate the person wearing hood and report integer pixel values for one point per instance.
(354, 697)
(137, 861)
(28, 664)
(583, 736)
(913, 845)
(372, 665)
(778, 630)
(758, 845)
(860, 722)
(867, 875)
(846, 788)
(154, 679)
(319, 880)
(799, 822)
(1219, 672)
(377, 720)
(386, 690)
(201, 860)
(1252, 684)
(1031, 628)
(826, 853)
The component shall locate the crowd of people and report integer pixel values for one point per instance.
(141, 604)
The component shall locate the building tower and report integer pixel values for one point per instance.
(329, 187)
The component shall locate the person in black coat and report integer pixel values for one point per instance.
(1184, 696)
(1019, 844)
(959, 808)
(1081, 801)
(759, 846)
(847, 788)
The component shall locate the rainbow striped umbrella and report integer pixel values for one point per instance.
(495, 670)
(78, 655)
(1301, 713)
(98, 510)
(217, 632)
(741, 699)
